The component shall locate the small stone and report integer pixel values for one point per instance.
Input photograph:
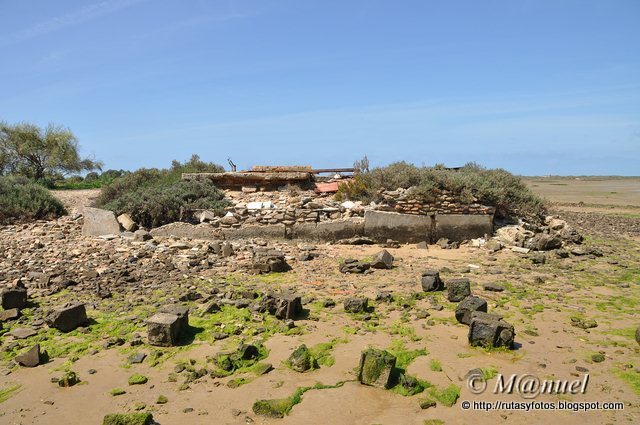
(137, 358)
(493, 287)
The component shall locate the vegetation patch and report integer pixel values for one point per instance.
(447, 396)
(631, 377)
(153, 197)
(23, 199)
(7, 392)
(137, 379)
(508, 193)
(280, 407)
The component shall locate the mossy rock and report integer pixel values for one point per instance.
(128, 419)
(117, 392)
(376, 368)
(597, 358)
(137, 379)
(69, 379)
(162, 400)
(273, 408)
(300, 360)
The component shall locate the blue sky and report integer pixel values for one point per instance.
(536, 87)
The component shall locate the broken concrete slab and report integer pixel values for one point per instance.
(98, 222)
(271, 231)
(460, 227)
(339, 229)
(404, 228)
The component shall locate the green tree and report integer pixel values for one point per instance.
(40, 153)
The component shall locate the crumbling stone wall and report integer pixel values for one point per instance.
(270, 208)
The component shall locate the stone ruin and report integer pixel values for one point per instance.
(298, 203)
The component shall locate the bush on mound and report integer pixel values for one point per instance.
(472, 183)
(23, 199)
(153, 197)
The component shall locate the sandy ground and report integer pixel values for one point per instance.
(607, 193)
(538, 300)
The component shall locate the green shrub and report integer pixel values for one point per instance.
(154, 197)
(23, 199)
(472, 183)
(157, 205)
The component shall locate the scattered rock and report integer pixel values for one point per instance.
(300, 360)
(15, 297)
(69, 379)
(127, 223)
(581, 323)
(140, 418)
(493, 287)
(141, 235)
(32, 357)
(458, 289)
(67, 317)
(22, 333)
(382, 260)
(354, 266)
(469, 305)
(11, 314)
(422, 245)
(166, 328)
(284, 306)
(136, 358)
(493, 245)
(269, 261)
(376, 368)
(544, 242)
(356, 304)
(357, 240)
(538, 258)
(488, 330)
(431, 281)
(98, 222)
